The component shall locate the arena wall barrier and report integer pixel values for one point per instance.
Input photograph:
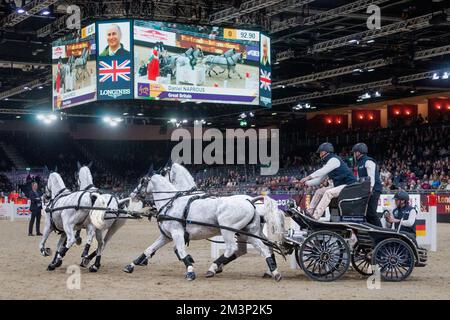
(12, 211)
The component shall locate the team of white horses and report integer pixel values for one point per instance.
(182, 213)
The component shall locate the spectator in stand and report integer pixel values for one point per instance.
(13, 196)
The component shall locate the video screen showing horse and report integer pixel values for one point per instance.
(74, 69)
(196, 63)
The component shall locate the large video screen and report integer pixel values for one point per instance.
(73, 69)
(181, 62)
(137, 59)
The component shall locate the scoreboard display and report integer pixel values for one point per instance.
(153, 60)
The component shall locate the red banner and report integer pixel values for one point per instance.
(207, 45)
(76, 49)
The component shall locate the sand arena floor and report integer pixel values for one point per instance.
(23, 273)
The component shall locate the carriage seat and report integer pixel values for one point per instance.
(351, 204)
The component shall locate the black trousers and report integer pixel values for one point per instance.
(372, 216)
(35, 215)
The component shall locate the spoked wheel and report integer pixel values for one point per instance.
(362, 260)
(394, 258)
(324, 256)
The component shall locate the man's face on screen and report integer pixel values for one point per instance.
(113, 37)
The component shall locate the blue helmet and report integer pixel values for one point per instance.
(402, 195)
(360, 147)
(327, 147)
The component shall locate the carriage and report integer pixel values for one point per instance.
(325, 250)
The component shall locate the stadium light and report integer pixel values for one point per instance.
(112, 121)
(47, 118)
(435, 76)
(45, 12)
(20, 10)
(445, 75)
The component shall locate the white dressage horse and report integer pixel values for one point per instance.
(210, 211)
(225, 63)
(98, 225)
(66, 212)
(268, 210)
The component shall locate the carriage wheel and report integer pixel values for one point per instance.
(362, 260)
(394, 258)
(324, 256)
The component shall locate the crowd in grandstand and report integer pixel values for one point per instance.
(411, 158)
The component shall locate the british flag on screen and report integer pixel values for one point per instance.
(114, 71)
(265, 80)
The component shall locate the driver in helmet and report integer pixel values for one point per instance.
(339, 173)
(367, 167)
(404, 215)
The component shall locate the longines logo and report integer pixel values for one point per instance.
(115, 93)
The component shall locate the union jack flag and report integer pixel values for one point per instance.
(265, 79)
(23, 211)
(114, 71)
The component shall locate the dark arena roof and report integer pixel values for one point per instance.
(323, 52)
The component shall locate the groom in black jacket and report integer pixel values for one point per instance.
(35, 208)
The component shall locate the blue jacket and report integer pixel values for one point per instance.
(342, 174)
(362, 172)
(400, 213)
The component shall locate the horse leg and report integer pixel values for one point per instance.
(90, 231)
(270, 257)
(57, 261)
(48, 228)
(149, 252)
(98, 258)
(70, 235)
(234, 70)
(218, 264)
(180, 251)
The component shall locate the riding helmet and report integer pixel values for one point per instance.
(402, 195)
(326, 146)
(360, 147)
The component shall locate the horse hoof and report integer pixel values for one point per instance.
(209, 274)
(51, 267)
(58, 263)
(190, 276)
(267, 275)
(45, 252)
(219, 270)
(128, 269)
(84, 262)
(278, 277)
(93, 268)
(79, 241)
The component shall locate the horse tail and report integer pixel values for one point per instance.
(274, 219)
(98, 216)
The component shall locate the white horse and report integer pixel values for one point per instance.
(268, 210)
(66, 212)
(98, 224)
(212, 211)
(225, 63)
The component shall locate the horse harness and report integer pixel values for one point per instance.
(185, 221)
(50, 208)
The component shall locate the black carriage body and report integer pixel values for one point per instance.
(368, 236)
